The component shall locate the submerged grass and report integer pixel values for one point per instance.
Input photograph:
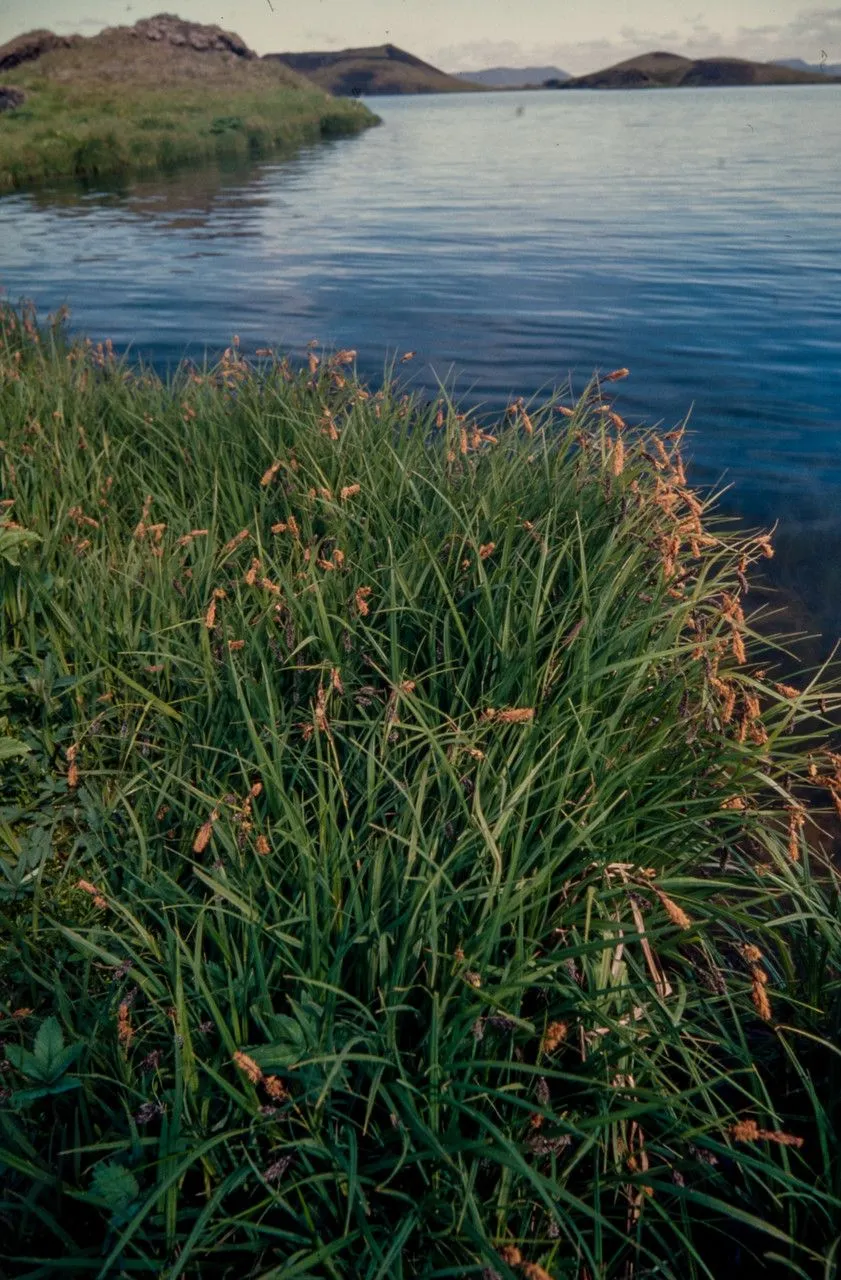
(406, 870)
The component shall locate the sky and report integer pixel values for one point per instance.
(460, 35)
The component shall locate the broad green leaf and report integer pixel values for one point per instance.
(13, 542)
(23, 1097)
(115, 1184)
(49, 1042)
(26, 1062)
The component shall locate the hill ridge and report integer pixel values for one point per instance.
(661, 69)
(372, 69)
(501, 77)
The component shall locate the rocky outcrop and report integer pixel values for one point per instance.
(32, 45)
(168, 29)
(11, 98)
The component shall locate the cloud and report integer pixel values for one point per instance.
(81, 24)
(323, 40)
(473, 55)
(806, 35)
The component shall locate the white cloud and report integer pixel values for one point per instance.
(809, 35)
(65, 26)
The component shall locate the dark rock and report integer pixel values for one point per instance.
(10, 99)
(32, 45)
(168, 28)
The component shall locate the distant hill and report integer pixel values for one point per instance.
(819, 68)
(512, 77)
(671, 71)
(384, 69)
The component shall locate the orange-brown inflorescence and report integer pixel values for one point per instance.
(554, 1036)
(204, 833)
(72, 767)
(248, 1067)
(508, 715)
(125, 1031)
(675, 913)
(92, 891)
(749, 1131)
(759, 981)
(796, 822)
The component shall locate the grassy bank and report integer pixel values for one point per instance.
(405, 868)
(100, 109)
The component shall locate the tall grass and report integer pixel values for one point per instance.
(407, 870)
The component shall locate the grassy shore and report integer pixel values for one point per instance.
(406, 871)
(105, 108)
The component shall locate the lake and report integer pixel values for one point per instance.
(515, 241)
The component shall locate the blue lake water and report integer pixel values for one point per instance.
(513, 241)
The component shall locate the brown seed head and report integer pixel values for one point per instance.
(554, 1036)
(361, 600)
(759, 996)
(235, 542)
(533, 1271)
(738, 644)
(515, 715)
(204, 833)
(796, 822)
(125, 1031)
(275, 1088)
(675, 913)
(248, 1066)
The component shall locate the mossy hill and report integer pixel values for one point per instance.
(156, 95)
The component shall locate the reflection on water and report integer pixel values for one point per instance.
(692, 235)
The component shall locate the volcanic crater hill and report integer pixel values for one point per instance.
(383, 69)
(154, 50)
(159, 94)
(661, 70)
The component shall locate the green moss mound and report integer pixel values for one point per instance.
(157, 96)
